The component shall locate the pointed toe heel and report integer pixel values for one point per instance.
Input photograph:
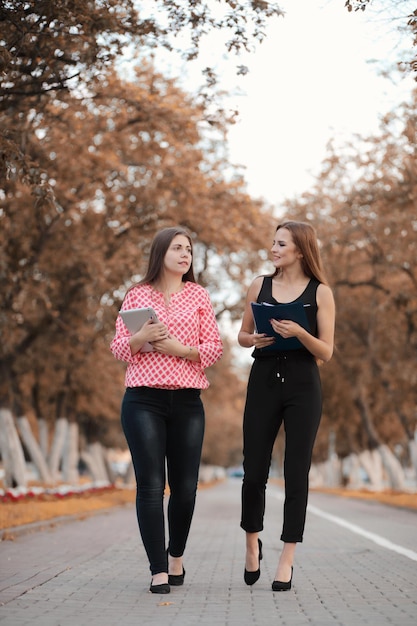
(278, 585)
(250, 578)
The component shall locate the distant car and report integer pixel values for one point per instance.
(235, 472)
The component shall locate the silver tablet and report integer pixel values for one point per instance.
(135, 318)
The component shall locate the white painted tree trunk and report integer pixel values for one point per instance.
(111, 475)
(371, 461)
(33, 449)
(93, 458)
(351, 472)
(333, 465)
(412, 446)
(88, 459)
(71, 456)
(129, 477)
(333, 468)
(326, 474)
(96, 450)
(11, 452)
(317, 475)
(393, 469)
(58, 443)
(43, 437)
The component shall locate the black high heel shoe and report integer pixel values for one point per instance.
(250, 578)
(277, 585)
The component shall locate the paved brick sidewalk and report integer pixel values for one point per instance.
(94, 571)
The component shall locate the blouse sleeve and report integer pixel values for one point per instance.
(210, 347)
(120, 345)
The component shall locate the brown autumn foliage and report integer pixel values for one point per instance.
(92, 164)
(122, 168)
(116, 160)
(52, 48)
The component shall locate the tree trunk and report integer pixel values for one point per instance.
(58, 443)
(71, 456)
(88, 459)
(411, 439)
(111, 475)
(333, 472)
(317, 475)
(11, 452)
(129, 477)
(371, 461)
(93, 458)
(393, 469)
(412, 446)
(361, 402)
(351, 472)
(43, 437)
(96, 450)
(33, 449)
(333, 465)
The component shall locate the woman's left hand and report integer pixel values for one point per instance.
(286, 328)
(170, 345)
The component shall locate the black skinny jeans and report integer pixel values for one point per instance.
(159, 425)
(285, 390)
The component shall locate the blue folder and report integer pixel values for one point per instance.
(294, 311)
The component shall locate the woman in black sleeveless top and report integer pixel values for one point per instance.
(284, 387)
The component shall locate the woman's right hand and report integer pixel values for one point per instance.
(262, 340)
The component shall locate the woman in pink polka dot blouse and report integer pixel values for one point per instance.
(162, 414)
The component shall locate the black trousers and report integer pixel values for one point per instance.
(164, 428)
(280, 390)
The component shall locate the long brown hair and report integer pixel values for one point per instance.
(159, 247)
(305, 238)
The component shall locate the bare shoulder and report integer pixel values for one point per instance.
(324, 294)
(255, 287)
(257, 282)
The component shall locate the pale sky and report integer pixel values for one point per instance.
(315, 77)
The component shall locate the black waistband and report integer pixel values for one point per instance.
(293, 355)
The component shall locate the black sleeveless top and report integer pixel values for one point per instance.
(308, 297)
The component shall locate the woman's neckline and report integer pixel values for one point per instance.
(290, 301)
(168, 295)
